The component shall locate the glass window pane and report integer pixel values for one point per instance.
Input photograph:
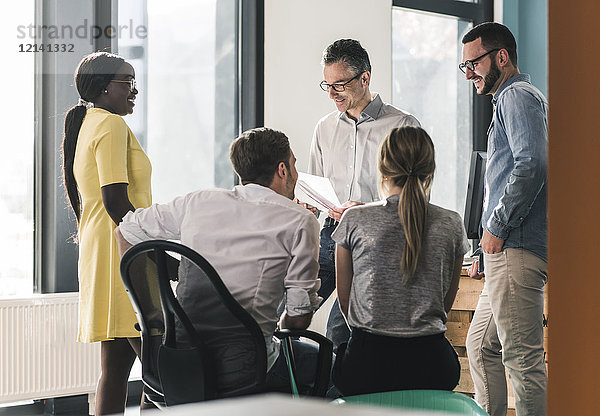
(185, 114)
(427, 83)
(16, 169)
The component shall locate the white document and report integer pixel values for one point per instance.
(316, 191)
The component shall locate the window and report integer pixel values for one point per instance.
(186, 58)
(16, 169)
(426, 49)
(186, 71)
(427, 83)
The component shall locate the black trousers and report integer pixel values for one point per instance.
(372, 363)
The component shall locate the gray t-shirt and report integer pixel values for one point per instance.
(379, 300)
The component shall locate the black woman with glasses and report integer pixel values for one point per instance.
(344, 149)
(106, 174)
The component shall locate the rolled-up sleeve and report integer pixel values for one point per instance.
(160, 221)
(301, 281)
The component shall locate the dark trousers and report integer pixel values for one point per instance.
(337, 329)
(372, 363)
(305, 357)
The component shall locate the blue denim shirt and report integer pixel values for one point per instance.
(514, 207)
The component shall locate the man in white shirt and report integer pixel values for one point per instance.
(344, 149)
(260, 242)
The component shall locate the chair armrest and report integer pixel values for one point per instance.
(324, 358)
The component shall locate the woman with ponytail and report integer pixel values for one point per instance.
(398, 263)
(106, 174)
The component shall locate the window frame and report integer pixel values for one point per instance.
(55, 252)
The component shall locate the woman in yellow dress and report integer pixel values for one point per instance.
(106, 174)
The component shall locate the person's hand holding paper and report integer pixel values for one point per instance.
(318, 192)
(312, 209)
(336, 212)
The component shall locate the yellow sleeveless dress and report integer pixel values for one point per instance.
(107, 152)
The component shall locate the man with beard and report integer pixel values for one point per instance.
(506, 330)
(344, 149)
(266, 247)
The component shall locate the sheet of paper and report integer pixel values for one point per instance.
(316, 191)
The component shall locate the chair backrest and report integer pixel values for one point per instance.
(448, 401)
(206, 347)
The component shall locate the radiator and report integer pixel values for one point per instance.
(39, 357)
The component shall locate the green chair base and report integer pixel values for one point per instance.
(447, 401)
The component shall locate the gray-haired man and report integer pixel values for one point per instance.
(344, 149)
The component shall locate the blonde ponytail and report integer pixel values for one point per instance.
(407, 158)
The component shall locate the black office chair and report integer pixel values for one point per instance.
(185, 356)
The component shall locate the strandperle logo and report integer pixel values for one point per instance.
(83, 31)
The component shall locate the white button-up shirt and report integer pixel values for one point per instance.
(261, 244)
(345, 151)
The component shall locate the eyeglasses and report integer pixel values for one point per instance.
(338, 86)
(131, 82)
(470, 63)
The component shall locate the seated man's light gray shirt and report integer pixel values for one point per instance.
(259, 242)
(345, 151)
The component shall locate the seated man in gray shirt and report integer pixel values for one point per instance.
(267, 246)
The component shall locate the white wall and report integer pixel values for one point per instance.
(293, 100)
